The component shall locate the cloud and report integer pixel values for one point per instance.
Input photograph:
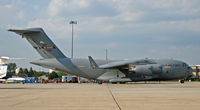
(36, 7)
(21, 15)
(111, 45)
(57, 7)
(184, 7)
(79, 3)
(134, 17)
(147, 28)
(129, 16)
(12, 14)
(53, 26)
(8, 6)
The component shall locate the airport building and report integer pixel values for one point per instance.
(196, 71)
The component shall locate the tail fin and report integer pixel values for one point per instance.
(41, 42)
(3, 66)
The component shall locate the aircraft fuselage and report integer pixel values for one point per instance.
(112, 71)
(163, 69)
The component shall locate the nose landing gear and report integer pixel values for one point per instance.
(181, 81)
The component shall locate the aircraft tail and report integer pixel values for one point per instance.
(3, 66)
(41, 42)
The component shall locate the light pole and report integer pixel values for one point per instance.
(106, 55)
(72, 23)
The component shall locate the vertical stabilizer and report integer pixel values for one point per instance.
(41, 42)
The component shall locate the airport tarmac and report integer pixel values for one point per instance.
(88, 96)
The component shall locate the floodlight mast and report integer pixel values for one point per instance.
(72, 23)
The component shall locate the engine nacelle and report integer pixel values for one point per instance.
(156, 68)
(145, 69)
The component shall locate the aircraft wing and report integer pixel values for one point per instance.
(125, 63)
(114, 64)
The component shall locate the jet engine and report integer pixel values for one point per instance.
(145, 69)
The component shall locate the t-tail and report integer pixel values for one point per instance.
(41, 42)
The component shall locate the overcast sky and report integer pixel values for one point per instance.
(129, 29)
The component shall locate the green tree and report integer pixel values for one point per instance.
(40, 73)
(30, 72)
(21, 73)
(21, 70)
(53, 75)
(11, 69)
(60, 74)
(26, 71)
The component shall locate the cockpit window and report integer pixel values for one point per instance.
(184, 65)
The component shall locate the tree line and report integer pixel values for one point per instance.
(24, 72)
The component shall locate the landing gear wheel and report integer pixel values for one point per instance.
(182, 81)
(100, 82)
(122, 82)
(114, 82)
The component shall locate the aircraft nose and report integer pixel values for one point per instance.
(189, 71)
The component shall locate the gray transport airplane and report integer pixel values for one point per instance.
(103, 70)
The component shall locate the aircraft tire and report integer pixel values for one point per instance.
(122, 82)
(182, 81)
(114, 82)
(100, 82)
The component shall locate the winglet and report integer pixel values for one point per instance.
(93, 63)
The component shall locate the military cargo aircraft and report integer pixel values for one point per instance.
(103, 70)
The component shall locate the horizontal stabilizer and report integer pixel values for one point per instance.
(22, 32)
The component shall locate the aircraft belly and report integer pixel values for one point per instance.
(111, 74)
(141, 77)
(172, 73)
(92, 73)
(82, 70)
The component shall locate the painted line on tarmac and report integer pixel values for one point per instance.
(26, 101)
(133, 85)
(114, 97)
